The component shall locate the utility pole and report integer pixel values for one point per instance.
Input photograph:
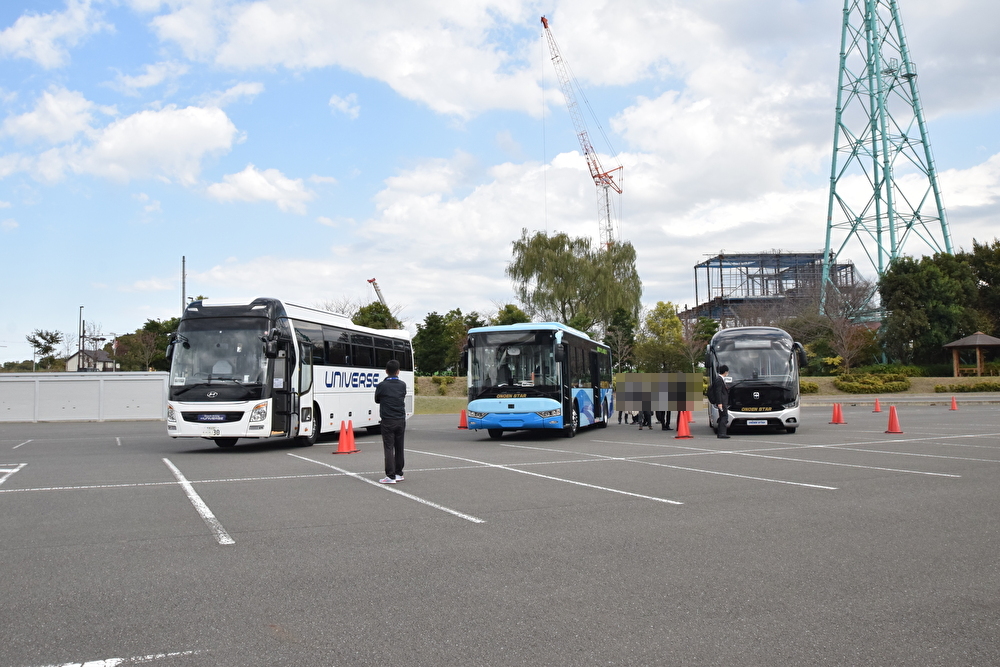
(183, 284)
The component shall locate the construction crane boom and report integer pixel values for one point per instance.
(378, 292)
(603, 179)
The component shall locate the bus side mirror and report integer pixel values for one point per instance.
(560, 353)
(801, 351)
(170, 351)
(271, 349)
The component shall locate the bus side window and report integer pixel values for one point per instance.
(401, 353)
(338, 350)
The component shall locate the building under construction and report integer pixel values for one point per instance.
(758, 288)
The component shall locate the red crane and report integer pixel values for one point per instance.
(603, 179)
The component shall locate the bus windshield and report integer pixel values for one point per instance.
(504, 360)
(757, 359)
(224, 352)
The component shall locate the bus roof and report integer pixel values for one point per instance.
(762, 332)
(531, 326)
(299, 312)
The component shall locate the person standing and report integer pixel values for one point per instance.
(718, 395)
(663, 416)
(390, 394)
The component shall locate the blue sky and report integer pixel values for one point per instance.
(297, 149)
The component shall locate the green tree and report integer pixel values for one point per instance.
(563, 279)
(432, 345)
(44, 343)
(376, 315)
(929, 302)
(985, 261)
(146, 347)
(458, 326)
(620, 337)
(660, 343)
(509, 314)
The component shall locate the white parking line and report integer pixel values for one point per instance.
(461, 515)
(9, 469)
(642, 460)
(848, 465)
(23, 443)
(556, 479)
(221, 536)
(135, 660)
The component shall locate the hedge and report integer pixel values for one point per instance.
(870, 383)
(808, 387)
(956, 388)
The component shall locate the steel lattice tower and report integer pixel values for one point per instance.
(883, 184)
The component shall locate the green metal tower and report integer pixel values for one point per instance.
(883, 185)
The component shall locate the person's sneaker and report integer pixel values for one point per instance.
(387, 480)
(399, 478)
(724, 436)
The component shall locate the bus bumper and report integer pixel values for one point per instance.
(217, 420)
(514, 421)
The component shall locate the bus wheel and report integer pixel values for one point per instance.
(495, 433)
(789, 430)
(604, 416)
(374, 430)
(310, 440)
(226, 442)
(574, 424)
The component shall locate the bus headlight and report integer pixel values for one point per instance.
(171, 414)
(476, 415)
(793, 404)
(259, 413)
(549, 413)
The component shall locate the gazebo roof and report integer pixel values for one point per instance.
(978, 339)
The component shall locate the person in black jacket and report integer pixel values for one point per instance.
(390, 394)
(718, 395)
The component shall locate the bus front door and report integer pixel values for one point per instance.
(285, 396)
(595, 382)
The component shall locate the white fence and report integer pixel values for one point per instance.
(44, 397)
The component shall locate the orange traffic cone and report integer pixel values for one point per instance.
(690, 416)
(893, 421)
(838, 414)
(954, 405)
(463, 420)
(682, 426)
(878, 408)
(345, 441)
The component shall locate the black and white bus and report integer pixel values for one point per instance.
(763, 376)
(268, 369)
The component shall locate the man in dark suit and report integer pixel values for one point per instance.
(718, 395)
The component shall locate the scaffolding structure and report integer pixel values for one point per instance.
(774, 283)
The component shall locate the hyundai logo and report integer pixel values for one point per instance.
(756, 394)
(215, 394)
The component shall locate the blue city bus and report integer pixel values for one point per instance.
(541, 375)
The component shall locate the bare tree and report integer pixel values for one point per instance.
(845, 312)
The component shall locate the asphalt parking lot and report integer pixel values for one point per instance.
(836, 545)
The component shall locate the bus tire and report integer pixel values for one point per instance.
(374, 430)
(789, 430)
(226, 442)
(604, 416)
(495, 433)
(574, 424)
(310, 440)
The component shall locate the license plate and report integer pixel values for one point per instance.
(756, 422)
(212, 430)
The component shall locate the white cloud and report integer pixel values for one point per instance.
(271, 185)
(153, 75)
(4, 204)
(59, 115)
(45, 38)
(8, 225)
(244, 90)
(168, 143)
(346, 105)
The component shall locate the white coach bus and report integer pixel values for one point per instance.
(267, 369)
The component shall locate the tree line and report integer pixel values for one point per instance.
(922, 304)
